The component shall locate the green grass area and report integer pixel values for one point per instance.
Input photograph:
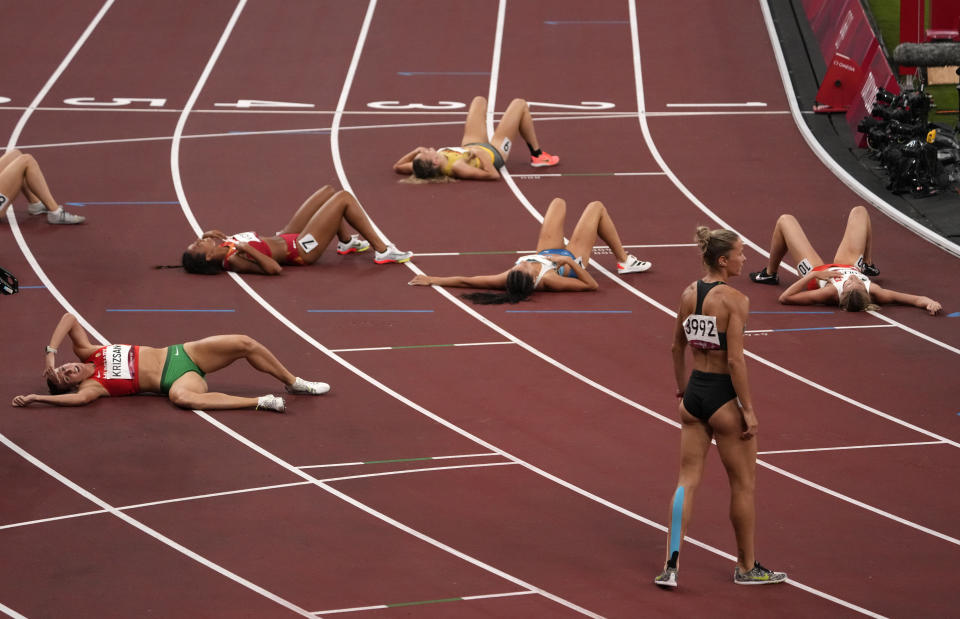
(886, 13)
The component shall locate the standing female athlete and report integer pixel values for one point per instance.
(479, 156)
(556, 266)
(716, 404)
(323, 216)
(20, 172)
(175, 371)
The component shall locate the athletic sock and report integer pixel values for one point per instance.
(534, 153)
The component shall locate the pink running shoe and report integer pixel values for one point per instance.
(544, 160)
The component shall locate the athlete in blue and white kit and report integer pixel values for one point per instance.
(557, 266)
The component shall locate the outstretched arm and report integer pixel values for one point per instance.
(882, 295)
(487, 282)
(80, 398)
(404, 165)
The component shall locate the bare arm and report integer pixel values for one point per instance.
(214, 234)
(83, 396)
(249, 260)
(797, 293)
(404, 165)
(70, 326)
(882, 295)
(739, 306)
(584, 280)
(487, 282)
(487, 171)
(679, 352)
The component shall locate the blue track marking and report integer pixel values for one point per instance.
(569, 311)
(409, 73)
(953, 315)
(29, 287)
(811, 329)
(370, 311)
(141, 309)
(676, 520)
(118, 203)
(789, 312)
(551, 22)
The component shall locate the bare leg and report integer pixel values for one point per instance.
(789, 236)
(695, 439)
(8, 158)
(857, 238)
(22, 172)
(551, 231)
(516, 120)
(190, 391)
(740, 460)
(218, 351)
(595, 221)
(310, 206)
(475, 129)
(328, 221)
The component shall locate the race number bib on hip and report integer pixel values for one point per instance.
(702, 332)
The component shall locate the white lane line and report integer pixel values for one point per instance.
(377, 348)
(9, 611)
(213, 495)
(846, 447)
(698, 105)
(463, 598)
(759, 331)
(430, 469)
(305, 130)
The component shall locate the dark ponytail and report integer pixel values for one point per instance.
(519, 288)
(198, 263)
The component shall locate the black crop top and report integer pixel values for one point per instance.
(701, 330)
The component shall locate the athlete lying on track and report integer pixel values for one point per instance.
(479, 156)
(555, 266)
(324, 215)
(849, 287)
(176, 371)
(716, 404)
(20, 172)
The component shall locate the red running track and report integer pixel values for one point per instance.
(526, 475)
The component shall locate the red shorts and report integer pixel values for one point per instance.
(293, 252)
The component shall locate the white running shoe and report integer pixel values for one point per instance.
(392, 254)
(633, 265)
(667, 578)
(271, 402)
(355, 244)
(306, 386)
(62, 217)
(37, 208)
